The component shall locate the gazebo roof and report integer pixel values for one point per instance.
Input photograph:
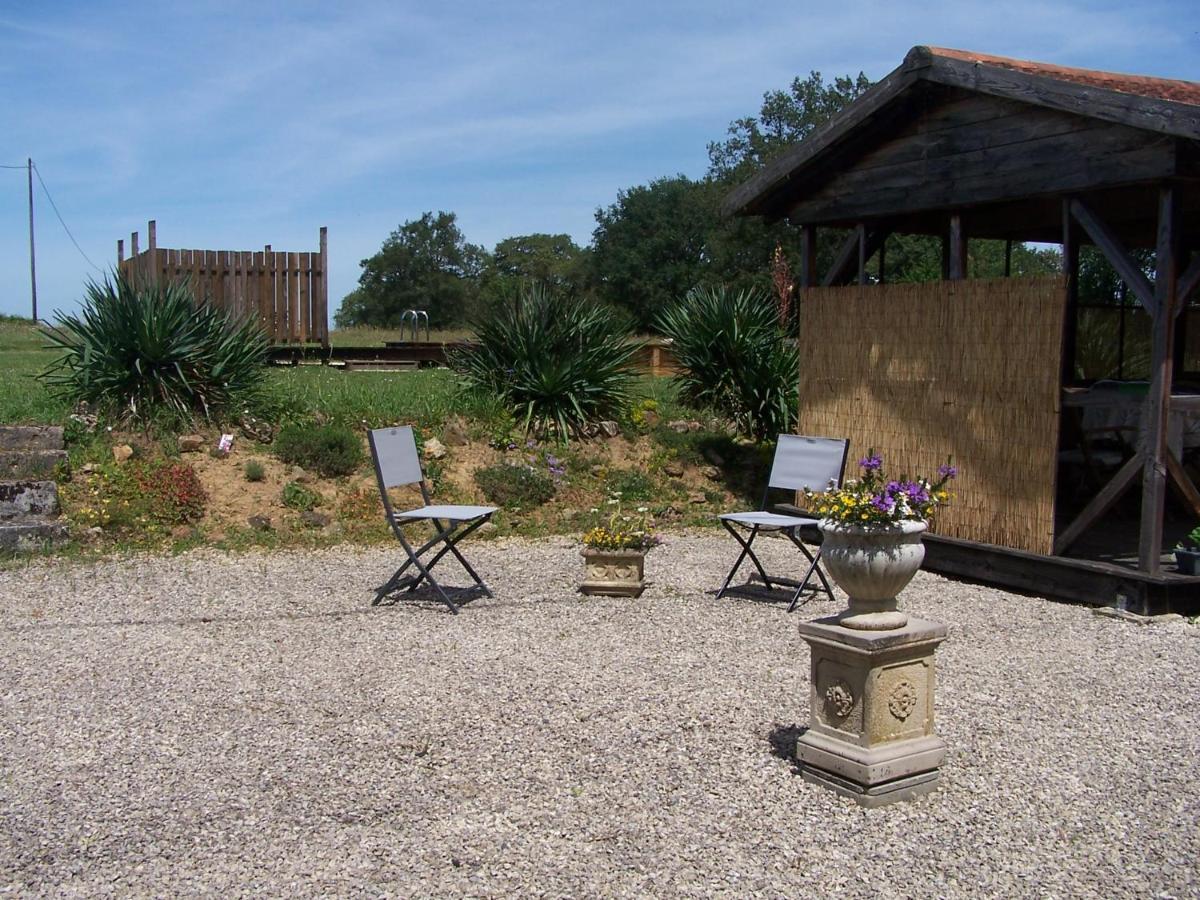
(1166, 112)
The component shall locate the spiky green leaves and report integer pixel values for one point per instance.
(139, 351)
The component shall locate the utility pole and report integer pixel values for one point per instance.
(32, 264)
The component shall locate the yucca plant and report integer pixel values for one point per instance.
(139, 351)
(735, 357)
(555, 362)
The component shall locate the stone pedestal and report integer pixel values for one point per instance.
(614, 573)
(871, 731)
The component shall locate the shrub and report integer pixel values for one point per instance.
(630, 484)
(255, 471)
(555, 362)
(141, 351)
(510, 485)
(330, 450)
(146, 496)
(297, 496)
(735, 358)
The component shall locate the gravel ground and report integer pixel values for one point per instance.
(248, 724)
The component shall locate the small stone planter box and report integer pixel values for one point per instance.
(613, 573)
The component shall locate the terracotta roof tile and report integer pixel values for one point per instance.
(1141, 85)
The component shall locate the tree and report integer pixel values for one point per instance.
(426, 264)
(553, 260)
(786, 118)
(652, 245)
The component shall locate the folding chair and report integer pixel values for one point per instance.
(800, 462)
(394, 451)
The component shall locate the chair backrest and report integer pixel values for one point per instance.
(395, 454)
(808, 462)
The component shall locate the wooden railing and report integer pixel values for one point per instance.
(287, 293)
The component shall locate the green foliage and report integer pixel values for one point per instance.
(630, 484)
(555, 362)
(785, 118)
(148, 497)
(330, 450)
(550, 259)
(255, 471)
(514, 485)
(426, 264)
(298, 497)
(735, 358)
(140, 352)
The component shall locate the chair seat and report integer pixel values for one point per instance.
(450, 513)
(768, 519)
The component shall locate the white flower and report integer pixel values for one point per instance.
(595, 509)
(643, 509)
(612, 502)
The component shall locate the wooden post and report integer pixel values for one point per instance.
(120, 252)
(32, 256)
(1158, 404)
(152, 240)
(808, 256)
(1070, 254)
(958, 248)
(862, 252)
(322, 317)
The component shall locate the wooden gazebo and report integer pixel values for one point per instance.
(966, 146)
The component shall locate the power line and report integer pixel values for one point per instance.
(14, 167)
(54, 206)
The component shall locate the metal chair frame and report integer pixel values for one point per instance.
(826, 465)
(394, 452)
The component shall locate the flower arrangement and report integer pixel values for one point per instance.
(622, 532)
(1191, 541)
(874, 499)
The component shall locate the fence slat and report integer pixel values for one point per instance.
(293, 282)
(305, 273)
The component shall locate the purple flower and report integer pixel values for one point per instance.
(872, 463)
(883, 503)
(947, 471)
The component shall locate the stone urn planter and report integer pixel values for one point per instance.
(872, 564)
(613, 573)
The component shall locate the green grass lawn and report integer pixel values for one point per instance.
(361, 399)
(24, 400)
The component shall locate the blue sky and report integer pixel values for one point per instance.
(240, 124)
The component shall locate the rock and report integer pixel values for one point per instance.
(314, 519)
(295, 473)
(488, 528)
(191, 443)
(710, 472)
(697, 497)
(259, 523)
(184, 533)
(94, 533)
(434, 449)
(679, 426)
(590, 430)
(651, 418)
(714, 457)
(673, 469)
(454, 434)
(263, 432)
(609, 429)
(122, 453)
(693, 425)
(599, 470)
(87, 469)
(670, 514)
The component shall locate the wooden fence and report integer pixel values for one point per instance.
(287, 293)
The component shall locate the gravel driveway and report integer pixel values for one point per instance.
(248, 724)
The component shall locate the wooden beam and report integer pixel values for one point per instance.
(1183, 483)
(1114, 251)
(862, 253)
(842, 262)
(1188, 282)
(808, 256)
(1070, 255)
(1100, 504)
(958, 248)
(1158, 403)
